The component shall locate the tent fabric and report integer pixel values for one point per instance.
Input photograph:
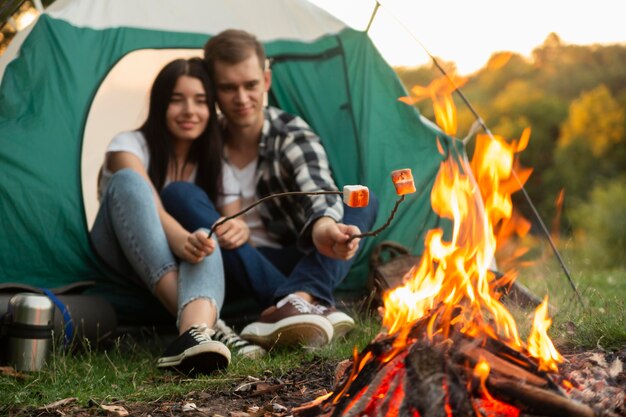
(323, 71)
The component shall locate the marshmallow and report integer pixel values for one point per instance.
(403, 181)
(356, 195)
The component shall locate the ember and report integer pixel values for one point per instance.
(450, 347)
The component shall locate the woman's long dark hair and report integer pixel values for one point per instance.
(206, 151)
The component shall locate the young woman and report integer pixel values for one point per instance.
(135, 235)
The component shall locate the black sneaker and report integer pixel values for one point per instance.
(236, 344)
(194, 352)
(292, 322)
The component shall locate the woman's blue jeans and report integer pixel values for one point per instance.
(268, 273)
(128, 236)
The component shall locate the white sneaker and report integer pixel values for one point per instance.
(235, 343)
(342, 323)
(292, 322)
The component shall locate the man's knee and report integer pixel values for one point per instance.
(178, 191)
(372, 209)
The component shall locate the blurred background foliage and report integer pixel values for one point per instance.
(574, 99)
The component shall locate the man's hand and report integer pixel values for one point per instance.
(331, 238)
(195, 247)
(232, 234)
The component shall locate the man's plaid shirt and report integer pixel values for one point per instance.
(292, 158)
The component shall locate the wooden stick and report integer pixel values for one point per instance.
(269, 197)
(384, 226)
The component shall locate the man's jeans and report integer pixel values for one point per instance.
(268, 273)
(127, 234)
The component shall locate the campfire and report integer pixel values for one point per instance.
(449, 346)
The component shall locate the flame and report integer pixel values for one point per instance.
(556, 222)
(481, 371)
(455, 273)
(440, 92)
(453, 283)
(539, 344)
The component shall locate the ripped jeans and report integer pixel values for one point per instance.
(128, 236)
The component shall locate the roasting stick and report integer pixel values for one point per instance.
(383, 227)
(353, 196)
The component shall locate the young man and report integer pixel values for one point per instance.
(289, 252)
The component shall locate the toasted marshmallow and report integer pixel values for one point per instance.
(356, 195)
(403, 181)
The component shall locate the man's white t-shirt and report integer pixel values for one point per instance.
(245, 179)
(135, 143)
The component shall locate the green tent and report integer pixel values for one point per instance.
(324, 71)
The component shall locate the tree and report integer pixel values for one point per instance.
(595, 117)
(592, 145)
(600, 223)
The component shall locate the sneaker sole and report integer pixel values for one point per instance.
(342, 324)
(309, 331)
(204, 358)
(251, 353)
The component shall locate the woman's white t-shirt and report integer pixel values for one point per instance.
(135, 143)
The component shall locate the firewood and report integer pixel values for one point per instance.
(536, 400)
(500, 366)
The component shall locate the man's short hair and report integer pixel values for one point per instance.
(232, 46)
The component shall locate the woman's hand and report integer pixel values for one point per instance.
(195, 247)
(232, 234)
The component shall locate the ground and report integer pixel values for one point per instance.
(598, 375)
(251, 396)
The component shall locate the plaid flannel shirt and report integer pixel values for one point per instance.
(292, 158)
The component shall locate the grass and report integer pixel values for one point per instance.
(126, 371)
(600, 320)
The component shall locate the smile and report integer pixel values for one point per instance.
(187, 125)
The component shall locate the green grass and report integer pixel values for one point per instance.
(599, 321)
(126, 371)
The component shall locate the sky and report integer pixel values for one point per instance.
(468, 32)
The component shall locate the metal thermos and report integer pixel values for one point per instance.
(29, 332)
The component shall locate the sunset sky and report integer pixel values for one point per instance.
(468, 32)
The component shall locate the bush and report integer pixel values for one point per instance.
(600, 225)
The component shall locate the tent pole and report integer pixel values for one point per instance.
(38, 5)
(369, 24)
(542, 225)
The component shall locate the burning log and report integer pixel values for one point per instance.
(534, 400)
(436, 379)
(501, 366)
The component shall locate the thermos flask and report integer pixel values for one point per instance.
(29, 332)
